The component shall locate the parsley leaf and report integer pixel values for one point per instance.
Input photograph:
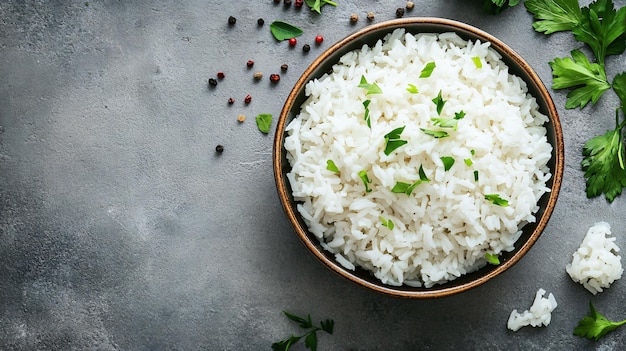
(371, 88)
(491, 258)
(595, 325)
(439, 102)
(477, 62)
(310, 337)
(554, 15)
(475, 176)
(366, 180)
(428, 70)
(496, 6)
(283, 30)
(448, 122)
(603, 164)
(448, 162)
(316, 5)
(331, 166)
(263, 122)
(602, 29)
(497, 200)
(393, 141)
(588, 79)
(435, 133)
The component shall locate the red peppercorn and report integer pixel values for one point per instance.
(220, 75)
(274, 78)
(319, 39)
(250, 63)
(293, 42)
(231, 101)
(299, 3)
(247, 99)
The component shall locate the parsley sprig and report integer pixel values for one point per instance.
(310, 337)
(393, 141)
(316, 5)
(603, 29)
(594, 325)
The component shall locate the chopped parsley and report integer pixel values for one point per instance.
(407, 188)
(393, 141)
(468, 162)
(477, 62)
(435, 133)
(448, 162)
(439, 102)
(386, 223)
(491, 258)
(372, 88)
(412, 89)
(366, 180)
(497, 200)
(428, 70)
(448, 122)
(475, 176)
(331, 166)
(366, 116)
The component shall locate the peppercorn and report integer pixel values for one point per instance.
(274, 78)
(257, 75)
(241, 118)
(293, 41)
(232, 20)
(212, 82)
(250, 63)
(277, 1)
(354, 18)
(284, 67)
(306, 48)
(287, 3)
(260, 21)
(247, 99)
(219, 148)
(231, 101)
(370, 16)
(319, 39)
(399, 12)
(410, 5)
(220, 75)
(299, 3)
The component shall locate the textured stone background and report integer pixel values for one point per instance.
(121, 229)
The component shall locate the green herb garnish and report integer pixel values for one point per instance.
(448, 162)
(448, 122)
(371, 88)
(283, 30)
(263, 122)
(468, 162)
(435, 133)
(386, 223)
(310, 337)
(475, 176)
(477, 62)
(594, 325)
(412, 89)
(496, 6)
(331, 166)
(587, 79)
(407, 188)
(491, 258)
(428, 70)
(393, 141)
(366, 116)
(497, 200)
(316, 5)
(439, 102)
(366, 180)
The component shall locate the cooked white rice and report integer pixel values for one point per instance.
(540, 313)
(596, 264)
(444, 228)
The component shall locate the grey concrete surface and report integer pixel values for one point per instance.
(122, 229)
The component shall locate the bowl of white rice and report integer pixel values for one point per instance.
(418, 157)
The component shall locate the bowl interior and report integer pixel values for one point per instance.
(369, 36)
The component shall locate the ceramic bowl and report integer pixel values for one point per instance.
(369, 36)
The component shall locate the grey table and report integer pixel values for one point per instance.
(121, 228)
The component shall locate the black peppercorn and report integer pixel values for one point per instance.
(212, 82)
(260, 21)
(284, 67)
(287, 3)
(400, 12)
(219, 148)
(232, 20)
(306, 47)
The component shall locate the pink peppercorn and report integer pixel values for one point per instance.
(293, 42)
(319, 39)
(220, 75)
(247, 99)
(274, 78)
